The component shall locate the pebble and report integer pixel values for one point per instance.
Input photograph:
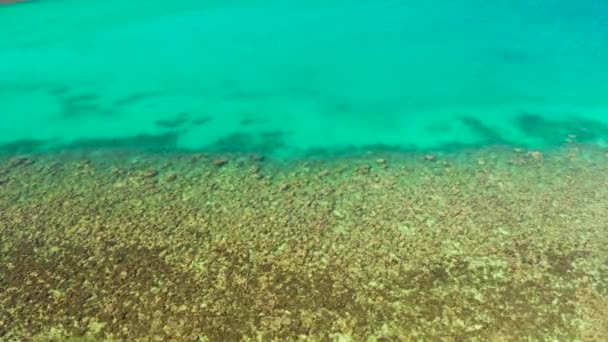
(197, 157)
(256, 169)
(535, 154)
(220, 162)
(257, 157)
(118, 171)
(364, 169)
(382, 163)
(18, 161)
(150, 173)
(430, 157)
(571, 138)
(171, 177)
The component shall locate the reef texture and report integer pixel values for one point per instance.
(492, 244)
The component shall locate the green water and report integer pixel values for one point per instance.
(493, 230)
(300, 77)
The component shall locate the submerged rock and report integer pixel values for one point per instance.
(18, 161)
(171, 177)
(257, 157)
(220, 162)
(150, 173)
(535, 154)
(364, 169)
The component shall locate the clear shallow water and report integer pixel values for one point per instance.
(288, 77)
(493, 242)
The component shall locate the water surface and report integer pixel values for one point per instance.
(313, 74)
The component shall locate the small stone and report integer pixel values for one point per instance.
(257, 157)
(535, 154)
(150, 173)
(18, 161)
(195, 158)
(430, 157)
(571, 138)
(220, 162)
(118, 171)
(364, 169)
(382, 163)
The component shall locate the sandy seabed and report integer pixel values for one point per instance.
(491, 244)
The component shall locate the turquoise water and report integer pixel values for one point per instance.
(302, 77)
(502, 240)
